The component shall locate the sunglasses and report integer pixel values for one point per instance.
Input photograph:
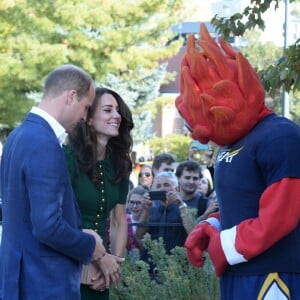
(147, 174)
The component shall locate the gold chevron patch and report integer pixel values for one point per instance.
(274, 288)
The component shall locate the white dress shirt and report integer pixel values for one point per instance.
(58, 129)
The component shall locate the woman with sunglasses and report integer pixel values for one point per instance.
(146, 176)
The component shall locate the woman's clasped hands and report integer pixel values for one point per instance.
(108, 265)
(109, 272)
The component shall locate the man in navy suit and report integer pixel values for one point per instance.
(43, 245)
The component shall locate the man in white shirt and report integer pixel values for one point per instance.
(43, 244)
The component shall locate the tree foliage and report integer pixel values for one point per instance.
(139, 95)
(285, 72)
(124, 38)
(261, 56)
(177, 144)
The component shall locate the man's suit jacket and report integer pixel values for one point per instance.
(42, 246)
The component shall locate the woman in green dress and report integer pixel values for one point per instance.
(98, 154)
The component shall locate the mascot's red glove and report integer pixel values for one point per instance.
(197, 242)
(215, 250)
(206, 237)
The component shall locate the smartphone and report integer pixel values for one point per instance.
(158, 195)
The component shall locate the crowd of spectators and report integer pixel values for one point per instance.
(187, 197)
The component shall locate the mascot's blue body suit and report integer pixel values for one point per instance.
(254, 241)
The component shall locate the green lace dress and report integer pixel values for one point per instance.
(95, 203)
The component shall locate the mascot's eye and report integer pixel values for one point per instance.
(187, 126)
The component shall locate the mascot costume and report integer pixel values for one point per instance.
(254, 240)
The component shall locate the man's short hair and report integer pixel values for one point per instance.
(65, 78)
(170, 175)
(167, 158)
(188, 165)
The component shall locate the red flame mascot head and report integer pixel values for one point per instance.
(221, 97)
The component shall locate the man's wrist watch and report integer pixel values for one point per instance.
(183, 205)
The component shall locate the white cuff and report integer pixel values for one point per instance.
(228, 238)
(214, 222)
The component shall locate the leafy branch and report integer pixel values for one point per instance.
(283, 73)
(235, 24)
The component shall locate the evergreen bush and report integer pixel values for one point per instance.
(176, 278)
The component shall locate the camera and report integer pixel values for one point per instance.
(158, 195)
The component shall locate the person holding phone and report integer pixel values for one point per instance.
(165, 219)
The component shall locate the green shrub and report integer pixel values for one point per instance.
(176, 278)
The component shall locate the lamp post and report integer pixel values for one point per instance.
(285, 95)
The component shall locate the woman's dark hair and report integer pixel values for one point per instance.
(83, 140)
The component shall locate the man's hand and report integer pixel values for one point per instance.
(146, 201)
(173, 197)
(196, 243)
(99, 248)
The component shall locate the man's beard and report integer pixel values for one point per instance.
(189, 192)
